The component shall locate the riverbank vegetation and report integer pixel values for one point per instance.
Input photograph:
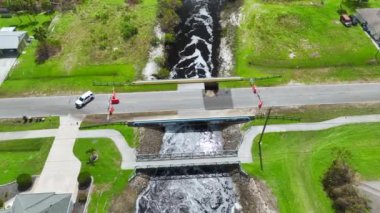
(109, 179)
(22, 156)
(294, 163)
(303, 41)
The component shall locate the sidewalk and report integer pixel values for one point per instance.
(245, 150)
(62, 168)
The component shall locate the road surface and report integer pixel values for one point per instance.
(194, 100)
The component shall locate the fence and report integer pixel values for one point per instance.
(178, 156)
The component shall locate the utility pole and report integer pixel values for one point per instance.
(261, 138)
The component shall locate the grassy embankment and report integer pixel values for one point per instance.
(92, 50)
(17, 124)
(315, 113)
(295, 162)
(323, 49)
(109, 179)
(22, 156)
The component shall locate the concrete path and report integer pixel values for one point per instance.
(371, 190)
(245, 148)
(62, 168)
(194, 100)
(46, 133)
(6, 65)
(128, 154)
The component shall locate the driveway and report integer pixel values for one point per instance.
(6, 63)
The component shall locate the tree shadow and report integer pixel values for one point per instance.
(26, 25)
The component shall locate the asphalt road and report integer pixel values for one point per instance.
(194, 100)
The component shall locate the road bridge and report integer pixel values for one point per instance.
(194, 100)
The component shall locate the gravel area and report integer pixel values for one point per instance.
(232, 136)
(150, 140)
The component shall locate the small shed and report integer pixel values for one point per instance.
(13, 40)
(369, 18)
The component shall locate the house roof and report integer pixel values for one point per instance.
(41, 203)
(11, 40)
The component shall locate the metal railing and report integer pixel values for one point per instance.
(194, 155)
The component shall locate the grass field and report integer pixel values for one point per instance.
(304, 42)
(92, 50)
(295, 162)
(109, 179)
(22, 156)
(10, 125)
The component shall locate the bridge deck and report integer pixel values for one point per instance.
(188, 116)
(184, 162)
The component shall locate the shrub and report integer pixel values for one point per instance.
(82, 197)
(169, 38)
(84, 179)
(1, 203)
(24, 182)
(46, 50)
(163, 73)
(338, 182)
(160, 61)
(127, 28)
(155, 41)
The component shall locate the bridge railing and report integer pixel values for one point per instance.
(194, 155)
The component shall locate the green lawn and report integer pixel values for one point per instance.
(26, 22)
(295, 162)
(22, 156)
(92, 50)
(324, 49)
(110, 180)
(130, 134)
(17, 124)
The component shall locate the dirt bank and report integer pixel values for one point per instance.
(150, 140)
(232, 136)
(126, 201)
(254, 195)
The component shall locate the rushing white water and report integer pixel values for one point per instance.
(188, 139)
(193, 195)
(195, 59)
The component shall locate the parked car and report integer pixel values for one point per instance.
(84, 99)
(346, 20)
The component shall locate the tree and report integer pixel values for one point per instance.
(40, 34)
